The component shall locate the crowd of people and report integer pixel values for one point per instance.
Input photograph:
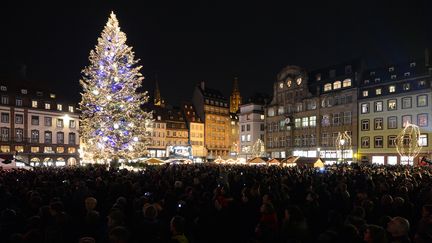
(217, 203)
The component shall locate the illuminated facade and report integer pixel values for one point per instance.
(212, 108)
(196, 130)
(176, 130)
(158, 132)
(389, 98)
(252, 127)
(308, 111)
(38, 128)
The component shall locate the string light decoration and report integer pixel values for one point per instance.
(258, 149)
(113, 126)
(407, 142)
(343, 143)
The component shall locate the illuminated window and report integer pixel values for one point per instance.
(378, 106)
(47, 106)
(413, 64)
(71, 108)
(3, 88)
(262, 117)
(392, 88)
(59, 107)
(377, 80)
(305, 122)
(365, 93)
(422, 120)
(281, 85)
(60, 150)
(347, 82)
(406, 86)
(365, 108)
(312, 121)
(34, 149)
(377, 91)
(48, 150)
(407, 74)
(423, 140)
(378, 123)
(34, 104)
(59, 123)
(23, 91)
(337, 85)
(422, 100)
(393, 76)
(391, 69)
(71, 150)
(391, 105)
(5, 149)
(297, 122)
(52, 96)
(19, 149)
(327, 87)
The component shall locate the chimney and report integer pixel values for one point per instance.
(202, 85)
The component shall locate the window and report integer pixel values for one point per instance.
(366, 81)
(262, 127)
(421, 83)
(391, 141)
(59, 107)
(5, 149)
(19, 149)
(5, 100)
(406, 102)
(5, 117)
(60, 150)
(72, 124)
(365, 93)
(327, 87)
(34, 104)
(305, 122)
(392, 88)
(59, 123)
(3, 88)
(48, 137)
(391, 69)
(365, 125)
(271, 112)
(378, 106)
(393, 76)
(407, 74)
(242, 128)
(34, 136)
(422, 120)
(337, 85)
(325, 120)
(34, 149)
(71, 138)
(19, 118)
(23, 91)
(406, 119)
(365, 141)
(391, 105)
(347, 82)
(365, 108)
(318, 77)
(336, 119)
(71, 150)
(422, 100)
(18, 102)
(392, 122)
(60, 138)
(378, 123)
(35, 120)
(312, 121)
(406, 86)
(297, 122)
(262, 117)
(48, 150)
(378, 91)
(19, 134)
(423, 140)
(48, 121)
(243, 138)
(5, 134)
(347, 117)
(377, 80)
(413, 64)
(39, 93)
(378, 142)
(47, 106)
(248, 127)
(248, 137)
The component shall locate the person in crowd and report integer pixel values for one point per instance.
(177, 227)
(398, 228)
(375, 234)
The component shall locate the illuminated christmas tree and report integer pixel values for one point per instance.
(113, 125)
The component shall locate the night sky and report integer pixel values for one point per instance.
(182, 44)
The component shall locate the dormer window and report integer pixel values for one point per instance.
(391, 69)
(366, 81)
(47, 106)
(346, 83)
(39, 93)
(337, 85)
(3, 88)
(23, 91)
(71, 108)
(377, 80)
(318, 77)
(52, 96)
(327, 87)
(413, 64)
(393, 76)
(372, 73)
(407, 74)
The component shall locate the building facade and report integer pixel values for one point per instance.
(38, 127)
(176, 130)
(389, 99)
(158, 131)
(196, 130)
(252, 127)
(212, 108)
(310, 110)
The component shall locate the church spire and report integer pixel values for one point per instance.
(235, 98)
(158, 101)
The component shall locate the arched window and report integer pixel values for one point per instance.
(347, 82)
(337, 85)
(327, 87)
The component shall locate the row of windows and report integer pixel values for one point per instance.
(34, 137)
(392, 88)
(421, 100)
(246, 138)
(422, 121)
(25, 91)
(303, 140)
(46, 149)
(34, 104)
(337, 85)
(212, 102)
(19, 119)
(378, 141)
